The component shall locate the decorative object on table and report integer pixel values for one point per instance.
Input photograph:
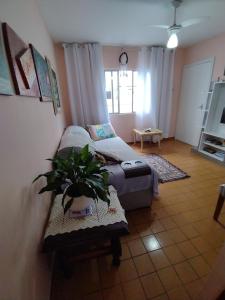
(41, 68)
(21, 64)
(101, 131)
(54, 87)
(166, 171)
(5, 78)
(78, 176)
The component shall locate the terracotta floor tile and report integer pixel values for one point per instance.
(193, 288)
(176, 235)
(113, 293)
(164, 238)
(159, 259)
(152, 285)
(189, 231)
(200, 266)
(143, 264)
(200, 244)
(210, 257)
(151, 243)
(185, 272)
(174, 254)
(144, 229)
(127, 270)
(169, 278)
(133, 290)
(178, 294)
(94, 296)
(161, 297)
(136, 247)
(125, 252)
(168, 223)
(187, 249)
(156, 226)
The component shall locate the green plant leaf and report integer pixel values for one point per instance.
(68, 205)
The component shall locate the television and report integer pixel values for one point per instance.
(223, 117)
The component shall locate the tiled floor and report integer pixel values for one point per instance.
(171, 247)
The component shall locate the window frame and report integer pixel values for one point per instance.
(118, 88)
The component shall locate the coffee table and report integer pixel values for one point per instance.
(143, 133)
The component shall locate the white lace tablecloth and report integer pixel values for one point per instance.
(60, 223)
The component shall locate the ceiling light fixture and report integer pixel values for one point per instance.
(172, 41)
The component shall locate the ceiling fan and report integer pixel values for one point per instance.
(175, 28)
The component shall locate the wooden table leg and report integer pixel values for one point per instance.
(219, 206)
(141, 143)
(159, 138)
(64, 265)
(116, 250)
(134, 136)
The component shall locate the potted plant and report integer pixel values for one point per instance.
(79, 177)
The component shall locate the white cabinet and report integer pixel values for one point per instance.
(212, 141)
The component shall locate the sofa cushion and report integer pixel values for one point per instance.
(76, 136)
(101, 131)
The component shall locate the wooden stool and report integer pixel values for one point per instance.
(220, 202)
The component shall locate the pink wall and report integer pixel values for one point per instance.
(208, 48)
(30, 132)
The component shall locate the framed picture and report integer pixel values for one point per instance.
(54, 87)
(41, 68)
(6, 87)
(21, 64)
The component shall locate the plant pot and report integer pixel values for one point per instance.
(80, 203)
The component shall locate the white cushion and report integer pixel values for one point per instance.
(76, 129)
(76, 136)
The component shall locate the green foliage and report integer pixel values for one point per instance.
(76, 175)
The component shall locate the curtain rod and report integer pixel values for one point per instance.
(64, 44)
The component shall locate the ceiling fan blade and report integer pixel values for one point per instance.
(160, 26)
(195, 21)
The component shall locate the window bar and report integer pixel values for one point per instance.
(132, 87)
(118, 89)
(112, 91)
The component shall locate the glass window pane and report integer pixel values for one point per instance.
(125, 91)
(108, 88)
(135, 90)
(115, 91)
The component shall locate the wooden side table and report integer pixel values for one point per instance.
(142, 134)
(71, 238)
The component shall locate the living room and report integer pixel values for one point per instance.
(143, 71)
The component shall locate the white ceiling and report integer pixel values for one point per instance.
(126, 22)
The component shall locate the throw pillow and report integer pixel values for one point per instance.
(101, 131)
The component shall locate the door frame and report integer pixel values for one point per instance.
(211, 60)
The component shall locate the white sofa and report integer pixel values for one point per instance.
(133, 192)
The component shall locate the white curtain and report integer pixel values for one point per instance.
(155, 81)
(86, 83)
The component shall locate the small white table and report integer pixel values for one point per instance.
(142, 134)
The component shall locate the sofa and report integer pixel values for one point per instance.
(133, 193)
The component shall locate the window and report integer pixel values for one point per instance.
(121, 91)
